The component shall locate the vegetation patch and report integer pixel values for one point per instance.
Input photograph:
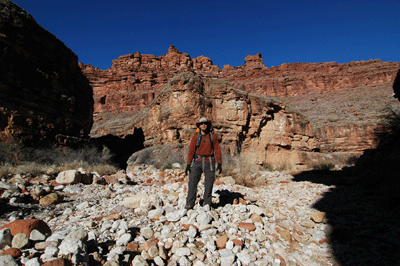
(18, 159)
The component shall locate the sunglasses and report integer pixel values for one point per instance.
(203, 123)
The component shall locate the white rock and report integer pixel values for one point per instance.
(69, 177)
(198, 263)
(59, 188)
(244, 258)
(20, 241)
(204, 218)
(71, 246)
(227, 257)
(257, 210)
(73, 190)
(153, 252)
(133, 201)
(51, 251)
(192, 232)
(210, 244)
(184, 261)
(262, 263)
(150, 202)
(83, 205)
(78, 234)
(36, 235)
(229, 245)
(7, 260)
(147, 233)
(33, 262)
(176, 165)
(114, 253)
(182, 252)
(176, 216)
(5, 185)
(139, 261)
(159, 261)
(155, 213)
(124, 240)
(111, 263)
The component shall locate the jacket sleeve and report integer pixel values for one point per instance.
(216, 148)
(192, 149)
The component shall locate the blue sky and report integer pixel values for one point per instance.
(284, 31)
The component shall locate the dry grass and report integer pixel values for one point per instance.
(161, 157)
(323, 166)
(17, 159)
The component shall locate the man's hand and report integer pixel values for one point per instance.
(219, 168)
(187, 171)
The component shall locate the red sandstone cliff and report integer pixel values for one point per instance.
(134, 80)
(344, 103)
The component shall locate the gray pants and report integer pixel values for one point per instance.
(194, 177)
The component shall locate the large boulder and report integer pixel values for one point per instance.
(43, 93)
(27, 226)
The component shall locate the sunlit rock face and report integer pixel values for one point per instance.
(336, 108)
(134, 80)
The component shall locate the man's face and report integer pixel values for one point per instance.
(203, 126)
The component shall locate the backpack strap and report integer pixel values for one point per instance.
(197, 145)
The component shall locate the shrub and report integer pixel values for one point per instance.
(10, 152)
(6, 169)
(161, 157)
(17, 159)
(166, 165)
(323, 166)
(240, 168)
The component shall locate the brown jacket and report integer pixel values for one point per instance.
(205, 148)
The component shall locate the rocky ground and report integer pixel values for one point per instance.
(139, 218)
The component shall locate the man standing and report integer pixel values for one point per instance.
(204, 151)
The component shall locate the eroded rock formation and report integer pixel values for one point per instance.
(134, 80)
(43, 93)
(256, 127)
(343, 104)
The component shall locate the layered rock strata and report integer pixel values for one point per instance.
(319, 91)
(259, 128)
(43, 93)
(134, 80)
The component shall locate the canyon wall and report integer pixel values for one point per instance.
(44, 95)
(343, 105)
(134, 80)
(257, 127)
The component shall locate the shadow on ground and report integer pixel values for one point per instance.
(363, 207)
(363, 229)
